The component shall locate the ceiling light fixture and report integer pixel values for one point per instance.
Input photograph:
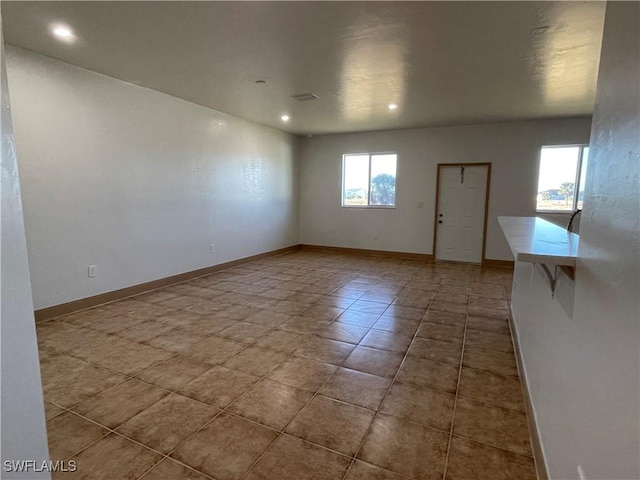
(285, 118)
(63, 32)
(392, 106)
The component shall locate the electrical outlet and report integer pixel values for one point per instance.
(212, 248)
(92, 271)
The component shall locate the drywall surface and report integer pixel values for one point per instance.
(24, 435)
(512, 148)
(583, 371)
(139, 183)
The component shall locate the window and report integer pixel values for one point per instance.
(369, 180)
(561, 169)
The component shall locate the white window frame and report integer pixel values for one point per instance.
(576, 188)
(369, 154)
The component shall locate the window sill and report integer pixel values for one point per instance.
(370, 207)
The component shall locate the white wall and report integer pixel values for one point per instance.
(513, 149)
(583, 371)
(24, 435)
(139, 183)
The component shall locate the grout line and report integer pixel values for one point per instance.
(455, 401)
(377, 412)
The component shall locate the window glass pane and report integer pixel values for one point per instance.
(383, 179)
(556, 183)
(356, 180)
(583, 176)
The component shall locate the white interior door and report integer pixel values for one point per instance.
(461, 205)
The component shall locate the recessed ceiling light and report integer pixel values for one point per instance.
(392, 106)
(62, 31)
(284, 118)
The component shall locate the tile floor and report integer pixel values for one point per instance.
(303, 366)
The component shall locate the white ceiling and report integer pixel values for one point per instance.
(443, 63)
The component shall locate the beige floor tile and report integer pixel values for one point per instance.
(405, 448)
(71, 385)
(238, 312)
(365, 471)
(444, 333)
(488, 307)
(359, 319)
(488, 387)
(114, 324)
(487, 290)
(415, 301)
(495, 325)
(119, 403)
(51, 410)
(450, 297)
(469, 460)
(293, 459)
(343, 332)
(325, 350)
(217, 336)
(257, 360)
(493, 361)
(226, 448)
(68, 434)
(173, 373)
(378, 297)
(332, 424)
(368, 307)
(214, 350)
(488, 341)
(393, 342)
(145, 331)
(436, 350)
(406, 313)
(420, 405)
(282, 340)
(167, 423)
(348, 293)
(445, 318)
(112, 457)
(179, 301)
(271, 403)
(397, 325)
(219, 386)
(267, 318)
(176, 340)
(339, 302)
(133, 358)
(180, 318)
(426, 373)
(357, 388)
(322, 312)
(304, 325)
(496, 426)
(374, 361)
(168, 469)
(448, 307)
(303, 373)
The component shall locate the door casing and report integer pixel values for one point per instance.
(486, 203)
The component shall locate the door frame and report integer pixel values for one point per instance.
(486, 204)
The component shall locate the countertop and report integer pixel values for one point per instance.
(535, 240)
